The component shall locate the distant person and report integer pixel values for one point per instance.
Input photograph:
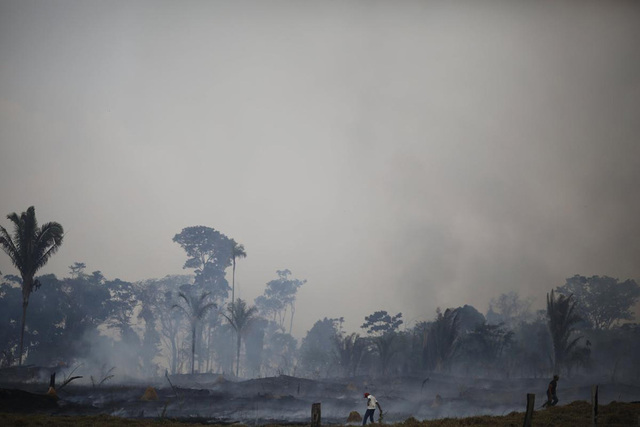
(552, 397)
(372, 402)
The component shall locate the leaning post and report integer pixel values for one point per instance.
(316, 416)
(531, 403)
(594, 405)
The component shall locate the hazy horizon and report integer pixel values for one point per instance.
(398, 156)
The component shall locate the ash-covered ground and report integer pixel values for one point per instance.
(286, 399)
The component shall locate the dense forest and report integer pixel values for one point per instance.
(193, 323)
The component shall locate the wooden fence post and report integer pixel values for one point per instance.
(531, 403)
(316, 416)
(594, 405)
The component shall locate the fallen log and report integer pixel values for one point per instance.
(14, 400)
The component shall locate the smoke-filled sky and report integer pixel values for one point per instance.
(398, 155)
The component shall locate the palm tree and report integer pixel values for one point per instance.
(387, 348)
(29, 249)
(237, 251)
(349, 352)
(562, 319)
(240, 317)
(195, 309)
(440, 343)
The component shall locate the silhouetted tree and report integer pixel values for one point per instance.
(279, 295)
(509, 309)
(602, 301)
(562, 319)
(77, 269)
(97, 278)
(66, 316)
(209, 254)
(150, 345)
(441, 340)
(270, 308)
(615, 352)
(485, 346)
(10, 299)
(381, 322)
(417, 346)
(349, 351)
(383, 328)
(240, 317)
(533, 347)
(160, 295)
(29, 249)
(317, 354)
(254, 345)
(195, 308)
(469, 318)
(279, 353)
(237, 252)
(122, 303)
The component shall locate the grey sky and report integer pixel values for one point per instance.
(398, 156)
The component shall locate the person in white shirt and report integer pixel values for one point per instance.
(372, 402)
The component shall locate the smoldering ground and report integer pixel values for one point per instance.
(286, 399)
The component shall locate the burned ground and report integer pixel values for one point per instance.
(286, 399)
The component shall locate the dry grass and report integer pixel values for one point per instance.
(576, 414)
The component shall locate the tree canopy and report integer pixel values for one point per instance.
(209, 253)
(602, 301)
(279, 295)
(381, 322)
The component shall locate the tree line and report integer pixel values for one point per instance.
(584, 330)
(186, 323)
(189, 323)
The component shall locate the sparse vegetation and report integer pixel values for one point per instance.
(105, 375)
(70, 377)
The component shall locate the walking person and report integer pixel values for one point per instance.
(372, 402)
(552, 396)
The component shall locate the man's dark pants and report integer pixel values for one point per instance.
(368, 414)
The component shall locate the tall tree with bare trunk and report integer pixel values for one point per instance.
(29, 249)
(195, 308)
(237, 252)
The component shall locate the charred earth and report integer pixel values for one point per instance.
(211, 398)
